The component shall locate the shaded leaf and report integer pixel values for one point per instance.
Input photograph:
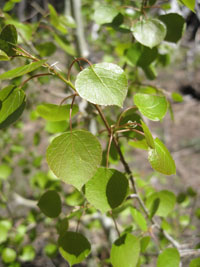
(107, 189)
(74, 157)
(50, 204)
(8, 39)
(74, 247)
(149, 32)
(175, 24)
(161, 159)
(103, 84)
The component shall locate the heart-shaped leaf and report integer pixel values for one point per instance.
(125, 251)
(149, 32)
(103, 84)
(175, 24)
(105, 14)
(169, 258)
(50, 204)
(161, 159)
(154, 107)
(74, 157)
(107, 189)
(74, 247)
(166, 203)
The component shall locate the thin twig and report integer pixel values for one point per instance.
(108, 150)
(35, 76)
(74, 61)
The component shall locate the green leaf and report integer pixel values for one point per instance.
(148, 135)
(175, 24)
(55, 20)
(3, 56)
(144, 242)
(139, 219)
(74, 199)
(21, 70)
(195, 262)
(177, 97)
(103, 84)
(56, 126)
(50, 250)
(69, 49)
(4, 233)
(63, 226)
(74, 247)
(105, 14)
(50, 204)
(147, 56)
(161, 159)
(46, 49)
(140, 144)
(53, 112)
(13, 104)
(189, 3)
(153, 107)
(169, 258)
(149, 32)
(74, 157)
(8, 255)
(154, 207)
(5, 171)
(133, 53)
(28, 253)
(8, 39)
(125, 251)
(167, 202)
(107, 189)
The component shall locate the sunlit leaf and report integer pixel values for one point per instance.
(149, 32)
(169, 258)
(125, 251)
(161, 159)
(107, 189)
(74, 157)
(21, 70)
(103, 84)
(105, 14)
(139, 219)
(154, 107)
(52, 112)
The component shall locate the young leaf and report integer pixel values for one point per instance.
(149, 32)
(50, 204)
(154, 207)
(161, 159)
(148, 135)
(153, 107)
(139, 219)
(169, 258)
(189, 3)
(21, 70)
(105, 14)
(74, 157)
(74, 247)
(103, 84)
(8, 39)
(8, 255)
(107, 189)
(195, 262)
(174, 34)
(125, 251)
(53, 112)
(166, 204)
(144, 242)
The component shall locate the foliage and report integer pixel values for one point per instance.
(76, 156)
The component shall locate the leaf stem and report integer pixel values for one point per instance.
(34, 76)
